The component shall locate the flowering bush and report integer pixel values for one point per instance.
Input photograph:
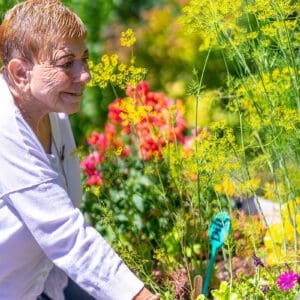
(144, 122)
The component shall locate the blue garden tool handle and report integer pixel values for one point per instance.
(218, 232)
(209, 271)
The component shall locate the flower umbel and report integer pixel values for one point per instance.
(287, 280)
(127, 38)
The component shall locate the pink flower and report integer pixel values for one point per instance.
(110, 131)
(140, 91)
(90, 163)
(126, 151)
(287, 280)
(179, 279)
(94, 180)
(142, 88)
(98, 140)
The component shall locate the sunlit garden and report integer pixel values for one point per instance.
(189, 142)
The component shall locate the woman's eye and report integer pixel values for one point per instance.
(67, 65)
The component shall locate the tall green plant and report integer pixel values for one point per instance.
(260, 38)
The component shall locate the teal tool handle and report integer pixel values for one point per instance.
(209, 271)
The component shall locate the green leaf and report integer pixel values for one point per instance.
(139, 202)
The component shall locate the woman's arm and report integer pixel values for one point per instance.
(72, 245)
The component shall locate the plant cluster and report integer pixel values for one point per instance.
(154, 182)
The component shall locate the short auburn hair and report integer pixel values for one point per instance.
(31, 28)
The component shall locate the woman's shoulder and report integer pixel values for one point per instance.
(21, 155)
(7, 107)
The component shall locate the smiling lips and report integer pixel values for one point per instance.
(76, 94)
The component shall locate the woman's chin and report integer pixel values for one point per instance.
(69, 108)
(70, 104)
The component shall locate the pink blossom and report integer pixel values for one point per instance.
(287, 280)
(126, 151)
(94, 180)
(142, 88)
(90, 163)
(110, 131)
(179, 279)
(98, 140)
(164, 123)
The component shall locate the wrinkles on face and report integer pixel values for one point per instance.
(47, 84)
(60, 55)
(57, 83)
(51, 77)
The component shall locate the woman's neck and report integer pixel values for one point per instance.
(42, 129)
(38, 120)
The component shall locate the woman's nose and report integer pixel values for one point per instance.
(82, 74)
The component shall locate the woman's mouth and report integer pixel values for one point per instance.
(78, 94)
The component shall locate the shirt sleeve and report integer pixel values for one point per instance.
(55, 284)
(71, 244)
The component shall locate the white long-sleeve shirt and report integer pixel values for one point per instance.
(43, 235)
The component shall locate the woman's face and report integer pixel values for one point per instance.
(57, 83)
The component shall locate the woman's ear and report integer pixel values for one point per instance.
(18, 70)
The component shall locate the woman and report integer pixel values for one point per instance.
(43, 237)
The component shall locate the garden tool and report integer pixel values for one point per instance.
(218, 232)
(198, 281)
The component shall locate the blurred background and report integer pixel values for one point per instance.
(162, 48)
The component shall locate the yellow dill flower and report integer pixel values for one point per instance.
(271, 190)
(118, 152)
(248, 187)
(265, 43)
(286, 118)
(96, 190)
(132, 113)
(291, 24)
(275, 73)
(252, 35)
(212, 156)
(122, 68)
(215, 19)
(269, 30)
(114, 60)
(105, 59)
(225, 187)
(109, 70)
(127, 38)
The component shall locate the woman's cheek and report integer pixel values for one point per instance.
(57, 80)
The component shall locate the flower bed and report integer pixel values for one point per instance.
(154, 182)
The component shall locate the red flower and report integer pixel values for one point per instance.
(90, 163)
(94, 138)
(162, 124)
(110, 131)
(142, 89)
(126, 151)
(94, 180)
(114, 111)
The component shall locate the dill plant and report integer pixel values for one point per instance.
(159, 201)
(259, 41)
